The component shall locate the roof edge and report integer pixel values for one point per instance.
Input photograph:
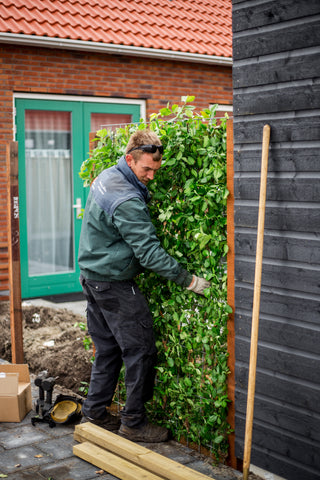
(113, 49)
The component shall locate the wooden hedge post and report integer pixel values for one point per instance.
(14, 253)
(232, 460)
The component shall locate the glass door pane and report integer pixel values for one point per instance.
(109, 120)
(48, 157)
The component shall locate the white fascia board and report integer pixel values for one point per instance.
(112, 49)
(77, 98)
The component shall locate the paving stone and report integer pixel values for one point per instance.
(20, 436)
(23, 456)
(219, 473)
(170, 450)
(75, 469)
(30, 474)
(57, 431)
(57, 448)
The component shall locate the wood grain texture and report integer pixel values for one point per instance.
(13, 232)
(260, 14)
(135, 453)
(276, 73)
(111, 463)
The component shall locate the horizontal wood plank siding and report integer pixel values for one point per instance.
(276, 78)
(278, 38)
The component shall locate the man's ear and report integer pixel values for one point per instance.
(129, 159)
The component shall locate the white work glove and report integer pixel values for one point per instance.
(198, 284)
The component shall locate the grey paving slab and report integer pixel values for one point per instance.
(209, 470)
(57, 431)
(75, 469)
(31, 474)
(17, 459)
(57, 448)
(172, 450)
(20, 436)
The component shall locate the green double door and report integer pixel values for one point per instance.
(53, 141)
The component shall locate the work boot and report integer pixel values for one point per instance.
(108, 422)
(147, 433)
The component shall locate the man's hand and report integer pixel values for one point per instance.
(198, 284)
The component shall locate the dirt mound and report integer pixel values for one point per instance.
(51, 342)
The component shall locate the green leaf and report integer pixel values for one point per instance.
(206, 141)
(228, 309)
(170, 162)
(179, 155)
(165, 111)
(218, 439)
(188, 99)
(190, 160)
(170, 362)
(188, 382)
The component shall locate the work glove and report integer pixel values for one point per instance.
(198, 284)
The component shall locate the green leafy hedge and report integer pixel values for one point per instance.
(188, 209)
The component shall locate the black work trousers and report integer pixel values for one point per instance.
(121, 327)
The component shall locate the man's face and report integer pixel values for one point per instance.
(145, 168)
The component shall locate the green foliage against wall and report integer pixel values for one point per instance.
(188, 209)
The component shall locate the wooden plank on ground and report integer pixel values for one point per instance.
(137, 454)
(111, 463)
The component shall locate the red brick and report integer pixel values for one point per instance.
(63, 72)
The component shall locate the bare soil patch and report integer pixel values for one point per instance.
(51, 342)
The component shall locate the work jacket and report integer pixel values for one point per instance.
(118, 239)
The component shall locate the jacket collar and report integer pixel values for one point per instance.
(130, 176)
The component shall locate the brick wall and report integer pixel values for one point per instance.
(63, 72)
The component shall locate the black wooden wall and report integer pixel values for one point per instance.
(276, 51)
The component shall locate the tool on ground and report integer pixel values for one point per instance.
(44, 402)
(66, 408)
(256, 303)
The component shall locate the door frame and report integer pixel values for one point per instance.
(62, 282)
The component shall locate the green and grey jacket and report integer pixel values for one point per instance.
(118, 239)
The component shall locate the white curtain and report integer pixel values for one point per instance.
(49, 197)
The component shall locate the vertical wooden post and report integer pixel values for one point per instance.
(13, 234)
(256, 303)
(232, 460)
(92, 144)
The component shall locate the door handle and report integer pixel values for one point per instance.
(78, 207)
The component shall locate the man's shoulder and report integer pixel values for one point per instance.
(110, 191)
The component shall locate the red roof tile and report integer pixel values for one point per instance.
(195, 26)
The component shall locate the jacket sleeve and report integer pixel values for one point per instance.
(132, 220)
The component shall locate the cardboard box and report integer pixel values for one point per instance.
(15, 392)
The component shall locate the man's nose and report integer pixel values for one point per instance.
(151, 174)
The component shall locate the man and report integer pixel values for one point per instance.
(118, 241)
